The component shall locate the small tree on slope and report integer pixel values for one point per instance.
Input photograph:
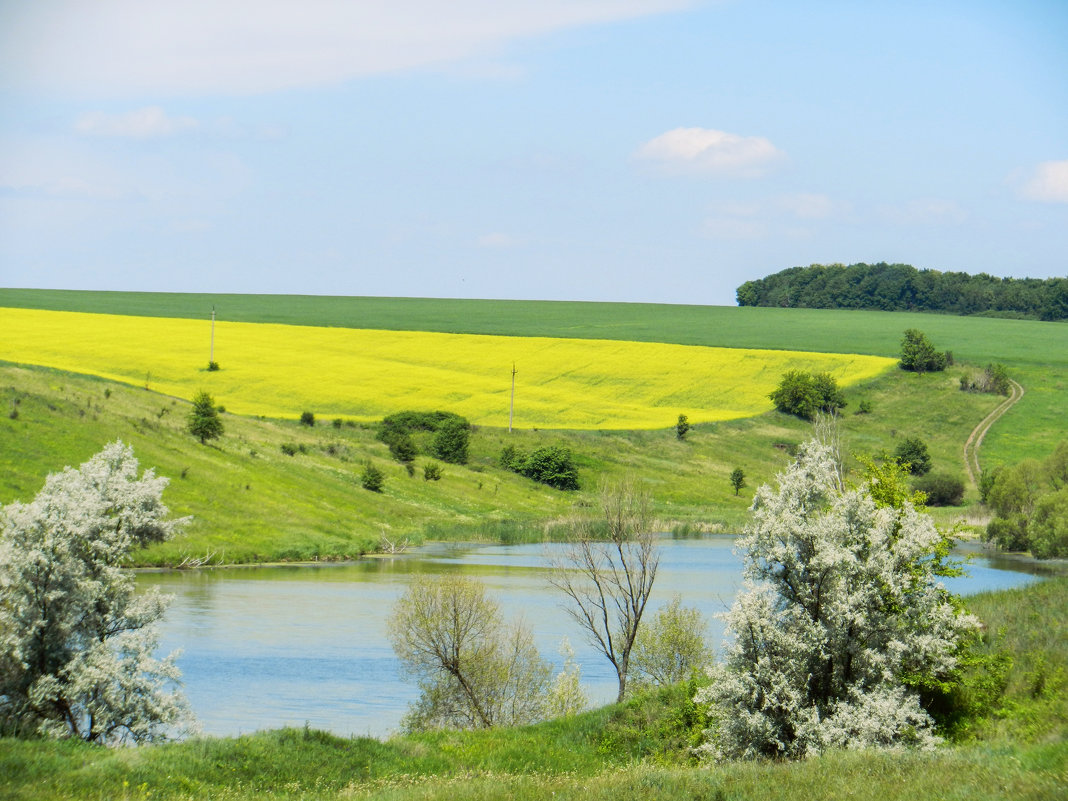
(841, 605)
(76, 644)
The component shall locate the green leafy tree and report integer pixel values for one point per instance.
(737, 479)
(473, 670)
(552, 465)
(204, 422)
(919, 355)
(451, 440)
(372, 478)
(841, 609)
(806, 394)
(77, 644)
(912, 454)
(307, 419)
(672, 647)
(682, 427)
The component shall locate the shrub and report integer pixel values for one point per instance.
(682, 427)
(289, 449)
(994, 379)
(450, 441)
(307, 419)
(941, 489)
(919, 355)
(372, 478)
(431, 472)
(204, 422)
(805, 394)
(213, 366)
(401, 446)
(864, 407)
(912, 453)
(338, 422)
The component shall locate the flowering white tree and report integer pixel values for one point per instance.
(76, 644)
(841, 606)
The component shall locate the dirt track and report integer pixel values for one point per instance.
(971, 447)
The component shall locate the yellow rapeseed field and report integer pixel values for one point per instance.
(282, 370)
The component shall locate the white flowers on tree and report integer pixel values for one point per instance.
(76, 644)
(840, 604)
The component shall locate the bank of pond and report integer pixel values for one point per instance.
(306, 645)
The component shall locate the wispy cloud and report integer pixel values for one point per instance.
(143, 123)
(1048, 183)
(706, 150)
(117, 47)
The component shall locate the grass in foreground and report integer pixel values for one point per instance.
(634, 750)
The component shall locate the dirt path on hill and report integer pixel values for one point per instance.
(971, 447)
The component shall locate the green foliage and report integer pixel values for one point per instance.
(288, 448)
(473, 671)
(431, 472)
(806, 394)
(941, 489)
(213, 366)
(204, 422)
(913, 455)
(371, 478)
(682, 427)
(737, 479)
(552, 465)
(401, 445)
(1030, 500)
(451, 440)
(307, 419)
(901, 287)
(918, 354)
(994, 379)
(864, 407)
(670, 648)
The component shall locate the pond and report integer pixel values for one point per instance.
(265, 647)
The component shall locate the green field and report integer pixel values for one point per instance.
(250, 502)
(1036, 352)
(637, 750)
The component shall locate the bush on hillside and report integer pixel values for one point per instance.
(552, 465)
(912, 453)
(941, 489)
(806, 394)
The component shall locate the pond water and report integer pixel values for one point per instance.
(265, 647)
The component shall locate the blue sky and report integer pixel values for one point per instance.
(620, 150)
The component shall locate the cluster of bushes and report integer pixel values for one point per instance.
(449, 435)
(994, 379)
(806, 394)
(1030, 503)
(920, 356)
(552, 465)
(901, 287)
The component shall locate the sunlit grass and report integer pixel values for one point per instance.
(280, 370)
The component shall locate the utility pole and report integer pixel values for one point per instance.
(211, 355)
(511, 410)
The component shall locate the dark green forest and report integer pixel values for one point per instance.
(901, 287)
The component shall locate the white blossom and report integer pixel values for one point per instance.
(840, 603)
(76, 644)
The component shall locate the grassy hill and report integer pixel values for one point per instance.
(1036, 352)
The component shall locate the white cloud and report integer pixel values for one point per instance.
(1048, 183)
(711, 151)
(144, 123)
(115, 47)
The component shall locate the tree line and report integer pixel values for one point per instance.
(902, 287)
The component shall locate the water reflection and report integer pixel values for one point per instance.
(265, 647)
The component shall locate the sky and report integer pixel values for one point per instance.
(614, 150)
